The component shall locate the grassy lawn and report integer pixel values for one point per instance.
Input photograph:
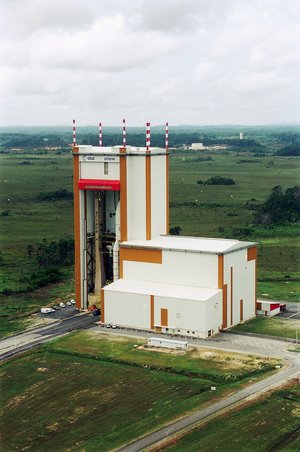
(59, 399)
(251, 428)
(219, 366)
(272, 326)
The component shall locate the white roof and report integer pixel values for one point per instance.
(195, 244)
(163, 290)
(115, 150)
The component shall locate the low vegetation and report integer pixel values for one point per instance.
(274, 326)
(103, 393)
(250, 428)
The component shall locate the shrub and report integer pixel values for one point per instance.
(200, 182)
(219, 180)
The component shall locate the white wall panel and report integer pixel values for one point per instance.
(95, 170)
(191, 269)
(158, 195)
(136, 198)
(127, 309)
(243, 285)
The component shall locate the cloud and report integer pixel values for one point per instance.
(216, 61)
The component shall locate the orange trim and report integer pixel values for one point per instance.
(164, 317)
(252, 253)
(231, 295)
(167, 195)
(258, 306)
(241, 310)
(224, 313)
(220, 271)
(148, 197)
(77, 228)
(123, 195)
(102, 305)
(151, 312)
(139, 255)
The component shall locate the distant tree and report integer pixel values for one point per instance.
(280, 207)
(293, 151)
(219, 180)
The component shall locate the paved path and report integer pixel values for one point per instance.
(24, 341)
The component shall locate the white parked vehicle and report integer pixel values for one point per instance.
(47, 310)
(114, 326)
(72, 301)
(69, 303)
(62, 305)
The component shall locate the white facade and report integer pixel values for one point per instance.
(197, 146)
(170, 284)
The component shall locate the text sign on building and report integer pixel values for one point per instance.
(99, 158)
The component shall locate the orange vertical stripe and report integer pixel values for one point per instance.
(123, 195)
(252, 253)
(164, 317)
(151, 312)
(167, 194)
(77, 228)
(148, 197)
(231, 295)
(220, 271)
(241, 310)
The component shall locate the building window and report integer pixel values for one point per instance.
(106, 168)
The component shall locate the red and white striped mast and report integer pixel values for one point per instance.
(167, 136)
(74, 133)
(147, 136)
(100, 134)
(124, 134)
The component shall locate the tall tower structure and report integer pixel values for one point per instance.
(120, 194)
(124, 257)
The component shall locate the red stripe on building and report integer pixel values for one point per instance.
(97, 184)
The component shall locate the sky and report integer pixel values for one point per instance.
(201, 62)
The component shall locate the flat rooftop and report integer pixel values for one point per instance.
(115, 150)
(192, 244)
(163, 290)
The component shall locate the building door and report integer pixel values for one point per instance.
(164, 317)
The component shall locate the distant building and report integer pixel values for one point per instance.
(241, 135)
(197, 146)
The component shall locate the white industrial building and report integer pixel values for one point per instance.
(197, 146)
(145, 278)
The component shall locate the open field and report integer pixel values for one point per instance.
(203, 210)
(105, 392)
(211, 364)
(274, 326)
(252, 428)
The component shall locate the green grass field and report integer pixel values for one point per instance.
(252, 428)
(273, 326)
(78, 398)
(216, 212)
